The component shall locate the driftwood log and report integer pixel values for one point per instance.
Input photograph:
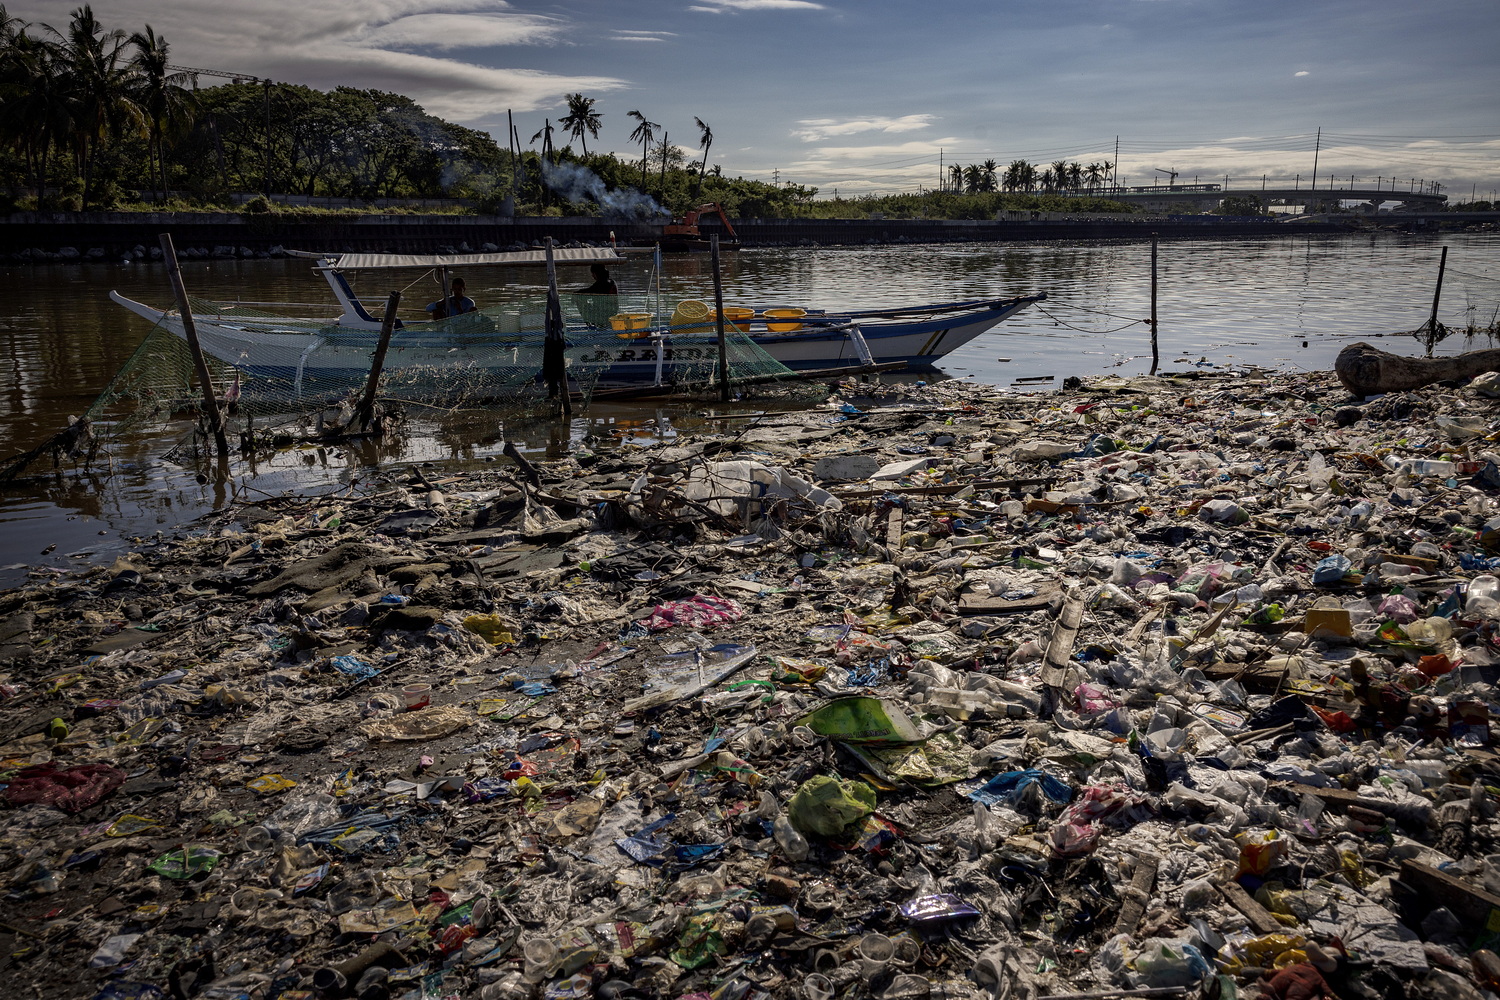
(1366, 370)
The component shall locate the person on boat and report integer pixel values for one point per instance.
(456, 305)
(599, 301)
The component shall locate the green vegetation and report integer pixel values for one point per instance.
(95, 118)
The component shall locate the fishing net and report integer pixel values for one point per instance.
(289, 370)
(1471, 303)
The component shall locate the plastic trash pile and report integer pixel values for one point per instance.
(1179, 685)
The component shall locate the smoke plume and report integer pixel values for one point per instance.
(576, 183)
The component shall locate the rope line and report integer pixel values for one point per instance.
(1472, 276)
(1081, 329)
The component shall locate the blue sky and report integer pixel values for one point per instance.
(861, 95)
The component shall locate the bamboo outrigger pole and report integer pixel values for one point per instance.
(366, 411)
(211, 408)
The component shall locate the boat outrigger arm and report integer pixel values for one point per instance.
(354, 315)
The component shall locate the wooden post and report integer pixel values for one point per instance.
(190, 331)
(713, 249)
(1154, 355)
(366, 409)
(554, 358)
(1432, 323)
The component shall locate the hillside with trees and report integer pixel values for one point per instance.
(93, 117)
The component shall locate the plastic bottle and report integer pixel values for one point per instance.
(790, 839)
(1426, 467)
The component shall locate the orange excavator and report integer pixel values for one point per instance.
(681, 235)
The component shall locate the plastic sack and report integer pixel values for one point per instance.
(70, 789)
(827, 806)
(861, 720)
(1260, 851)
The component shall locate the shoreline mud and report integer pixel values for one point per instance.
(1180, 684)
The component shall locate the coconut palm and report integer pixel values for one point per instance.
(991, 179)
(581, 119)
(644, 132)
(973, 178)
(1107, 168)
(1019, 176)
(1048, 180)
(98, 89)
(545, 134)
(956, 178)
(705, 140)
(1059, 174)
(33, 115)
(1075, 175)
(1094, 174)
(163, 98)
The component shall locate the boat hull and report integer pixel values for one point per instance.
(469, 348)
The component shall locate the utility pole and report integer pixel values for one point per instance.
(942, 181)
(1317, 148)
(1117, 161)
(775, 176)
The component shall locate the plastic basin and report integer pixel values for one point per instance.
(784, 320)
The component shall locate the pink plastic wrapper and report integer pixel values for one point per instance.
(698, 611)
(71, 789)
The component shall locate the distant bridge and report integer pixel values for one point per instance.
(1206, 197)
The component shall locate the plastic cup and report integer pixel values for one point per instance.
(876, 948)
(908, 951)
(817, 987)
(540, 956)
(415, 696)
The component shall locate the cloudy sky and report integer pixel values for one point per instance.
(866, 95)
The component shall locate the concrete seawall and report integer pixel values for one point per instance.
(109, 235)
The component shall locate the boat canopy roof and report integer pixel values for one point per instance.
(356, 261)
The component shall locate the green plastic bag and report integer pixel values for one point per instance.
(187, 861)
(862, 720)
(826, 805)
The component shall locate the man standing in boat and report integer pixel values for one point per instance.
(456, 305)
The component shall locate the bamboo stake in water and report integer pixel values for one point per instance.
(1432, 324)
(1154, 356)
(211, 408)
(713, 247)
(387, 324)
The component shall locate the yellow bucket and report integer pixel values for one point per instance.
(630, 321)
(784, 320)
(690, 313)
(737, 318)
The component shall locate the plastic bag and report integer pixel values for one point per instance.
(827, 806)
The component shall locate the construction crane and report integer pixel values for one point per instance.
(265, 177)
(1172, 175)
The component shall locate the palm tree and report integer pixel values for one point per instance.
(1048, 180)
(644, 132)
(1075, 175)
(545, 134)
(1106, 168)
(973, 178)
(1015, 175)
(162, 97)
(705, 140)
(580, 119)
(98, 89)
(990, 180)
(956, 178)
(1059, 174)
(1094, 174)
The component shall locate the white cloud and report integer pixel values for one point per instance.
(724, 6)
(1300, 72)
(457, 31)
(328, 43)
(627, 35)
(816, 129)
